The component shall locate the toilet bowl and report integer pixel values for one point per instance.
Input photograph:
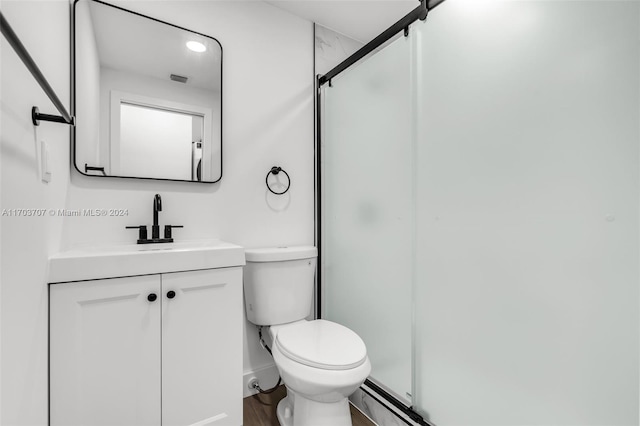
(321, 362)
(319, 376)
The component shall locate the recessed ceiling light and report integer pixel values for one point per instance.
(196, 46)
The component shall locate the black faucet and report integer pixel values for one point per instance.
(155, 228)
(157, 207)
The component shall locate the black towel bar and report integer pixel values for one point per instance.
(19, 48)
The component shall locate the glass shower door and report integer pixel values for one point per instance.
(367, 220)
(527, 199)
(479, 212)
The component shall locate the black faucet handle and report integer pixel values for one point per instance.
(142, 234)
(167, 230)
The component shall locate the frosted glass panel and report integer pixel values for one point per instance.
(367, 210)
(527, 207)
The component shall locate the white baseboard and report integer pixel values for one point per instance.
(267, 377)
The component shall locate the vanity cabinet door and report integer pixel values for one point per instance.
(202, 347)
(105, 352)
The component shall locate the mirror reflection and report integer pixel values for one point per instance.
(148, 101)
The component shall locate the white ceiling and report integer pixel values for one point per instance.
(361, 20)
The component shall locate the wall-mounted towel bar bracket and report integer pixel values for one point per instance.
(36, 117)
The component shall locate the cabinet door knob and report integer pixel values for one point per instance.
(171, 294)
(152, 297)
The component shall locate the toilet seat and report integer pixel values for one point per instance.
(322, 344)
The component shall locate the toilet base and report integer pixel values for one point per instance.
(295, 410)
(285, 412)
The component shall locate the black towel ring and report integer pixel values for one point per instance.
(275, 170)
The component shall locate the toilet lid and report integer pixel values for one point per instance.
(322, 344)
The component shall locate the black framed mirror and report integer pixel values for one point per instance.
(147, 97)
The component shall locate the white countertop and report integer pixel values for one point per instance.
(143, 259)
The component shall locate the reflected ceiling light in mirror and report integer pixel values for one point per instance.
(196, 46)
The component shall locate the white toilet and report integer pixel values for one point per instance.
(321, 363)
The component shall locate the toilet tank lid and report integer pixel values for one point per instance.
(280, 254)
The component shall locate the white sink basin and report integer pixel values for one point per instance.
(143, 259)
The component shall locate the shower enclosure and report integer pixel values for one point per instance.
(478, 211)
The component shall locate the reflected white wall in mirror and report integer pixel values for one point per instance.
(145, 63)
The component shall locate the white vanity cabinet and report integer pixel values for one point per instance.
(156, 349)
(105, 352)
(202, 348)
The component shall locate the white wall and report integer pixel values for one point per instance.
(528, 168)
(268, 120)
(27, 241)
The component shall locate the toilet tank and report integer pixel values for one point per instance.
(278, 284)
